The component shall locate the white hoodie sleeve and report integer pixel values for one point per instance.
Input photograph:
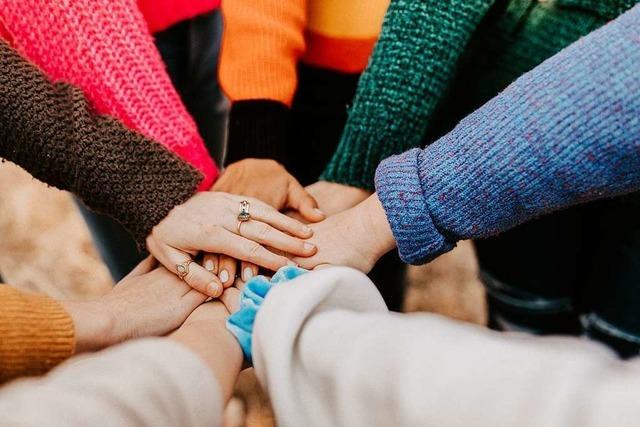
(152, 382)
(330, 354)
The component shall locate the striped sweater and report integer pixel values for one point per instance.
(264, 43)
(565, 133)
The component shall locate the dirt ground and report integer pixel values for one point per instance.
(45, 247)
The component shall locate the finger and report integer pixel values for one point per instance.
(197, 277)
(267, 235)
(239, 284)
(231, 299)
(267, 214)
(211, 262)
(145, 266)
(304, 203)
(228, 243)
(248, 270)
(227, 270)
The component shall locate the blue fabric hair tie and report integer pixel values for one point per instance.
(240, 324)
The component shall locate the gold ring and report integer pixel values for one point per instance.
(238, 227)
(244, 214)
(183, 269)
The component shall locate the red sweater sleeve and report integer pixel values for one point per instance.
(104, 47)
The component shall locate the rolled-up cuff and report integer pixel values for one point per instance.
(401, 194)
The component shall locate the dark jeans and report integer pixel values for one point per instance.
(190, 51)
(575, 272)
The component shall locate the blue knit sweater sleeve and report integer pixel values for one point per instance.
(565, 133)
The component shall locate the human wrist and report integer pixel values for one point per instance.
(215, 345)
(93, 323)
(378, 237)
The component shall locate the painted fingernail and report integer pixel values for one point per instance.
(318, 211)
(247, 274)
(307, 229)
(224, 276)
(214, 289)
(291, 263)
(309, 246)
(209, 265)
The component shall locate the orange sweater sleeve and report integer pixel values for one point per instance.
(36, 334)
(261, 45)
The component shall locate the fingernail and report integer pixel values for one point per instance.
(291, 263)
(224, 276)
(307, 229)
(247, 274)
(309, 246)
(214, 289)
(318, 211)
(209, 265)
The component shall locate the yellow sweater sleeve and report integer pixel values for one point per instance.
(36, 334)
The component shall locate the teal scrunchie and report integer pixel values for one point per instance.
(240, 324)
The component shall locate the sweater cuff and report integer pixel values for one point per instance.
(258, 129)
(37, 334)
(353, 163)
(401, 194)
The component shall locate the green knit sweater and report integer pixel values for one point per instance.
(436, 61)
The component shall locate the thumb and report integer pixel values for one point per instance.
(302, 201)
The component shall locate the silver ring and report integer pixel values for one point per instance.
(183, 269)
(244, 214)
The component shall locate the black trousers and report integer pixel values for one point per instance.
(574, 272)
(190, 52)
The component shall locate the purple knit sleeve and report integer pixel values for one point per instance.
(565, 133)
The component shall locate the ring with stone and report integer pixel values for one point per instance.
(244, 214)
(183, 269)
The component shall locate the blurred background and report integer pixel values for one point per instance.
(46, 247)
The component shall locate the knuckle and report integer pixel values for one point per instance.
(253, 251)
(263, 231)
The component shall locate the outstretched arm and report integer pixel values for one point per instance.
(50, 130)
(329, 353)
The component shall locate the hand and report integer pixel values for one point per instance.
(334, 198)
(209, 222)
(148, 302)
(268, 181)
(357, 238)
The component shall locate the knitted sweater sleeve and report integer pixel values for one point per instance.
(36, 334)
(261, 45)
(50, 131)
(414, 59)
(104, 47)
(564, 133)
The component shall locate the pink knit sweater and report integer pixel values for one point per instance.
(105, 48)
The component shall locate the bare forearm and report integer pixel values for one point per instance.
(217, 347)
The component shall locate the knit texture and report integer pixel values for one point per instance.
(37, 334)
(264, 47)
(258, 129)
(565, 133)
(437, 61)
(50, 130)
(105, 48)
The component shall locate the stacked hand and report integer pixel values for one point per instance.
(208, 222)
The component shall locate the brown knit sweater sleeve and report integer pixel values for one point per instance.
(50, 130)
(36, 334)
